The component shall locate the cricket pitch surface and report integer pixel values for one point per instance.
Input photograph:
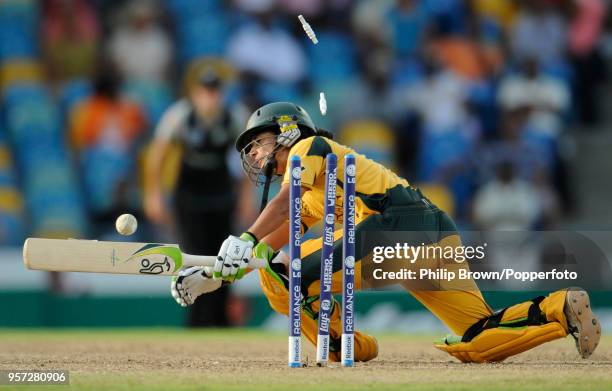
(238, 359)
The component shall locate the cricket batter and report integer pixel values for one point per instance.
(385, 202)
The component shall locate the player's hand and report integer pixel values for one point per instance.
(192, 282)
(263, 251)
(233, 258)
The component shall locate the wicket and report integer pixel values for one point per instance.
(295, 277)
(348, 264)
(327, 259)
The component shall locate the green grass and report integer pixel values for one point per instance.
(134, 381)
(179, 359)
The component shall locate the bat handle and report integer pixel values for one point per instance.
(257, 263)
(209, 260)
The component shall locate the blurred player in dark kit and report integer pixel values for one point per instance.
(204, 198)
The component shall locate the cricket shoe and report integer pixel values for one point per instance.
(582, 323)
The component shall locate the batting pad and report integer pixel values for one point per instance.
(497, 344)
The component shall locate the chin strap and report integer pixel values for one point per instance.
(269, 169)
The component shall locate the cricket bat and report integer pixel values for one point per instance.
(93, 256)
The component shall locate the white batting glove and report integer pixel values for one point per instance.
(192, 282)
(234, 256)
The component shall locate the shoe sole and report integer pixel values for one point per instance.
(579, 314)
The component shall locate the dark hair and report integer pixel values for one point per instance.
(324, 133)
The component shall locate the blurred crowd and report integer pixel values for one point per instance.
(471, 100)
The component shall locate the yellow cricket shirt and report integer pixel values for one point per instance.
(376, 186)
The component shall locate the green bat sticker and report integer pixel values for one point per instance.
(158, 258)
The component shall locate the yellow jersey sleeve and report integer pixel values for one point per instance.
(312, 165)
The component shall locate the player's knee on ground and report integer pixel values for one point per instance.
(511, 331)
(498, 344)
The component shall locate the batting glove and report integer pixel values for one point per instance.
(192, 282)
(234, 256)
(263, 251)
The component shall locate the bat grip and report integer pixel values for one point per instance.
(257, 263)
(209, 260)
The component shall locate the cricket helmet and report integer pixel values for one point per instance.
(277, 117)
(288, 121)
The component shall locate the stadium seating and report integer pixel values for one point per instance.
(372, 138)
(153, 97)
(341, 66)
(17, 71)
(11, 203)
(187, 8)
(202, 36)
(37, 122)
(72, 92)
(441, 156)
(406, 72)
(51, 190)
(18, 22)
(275, 91)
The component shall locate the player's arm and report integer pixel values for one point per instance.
(269, 247)
(278, 238)
(271, 220)
(277, 211)
(274, 214)
(154, 205)
(169, 125)
(235, 251)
